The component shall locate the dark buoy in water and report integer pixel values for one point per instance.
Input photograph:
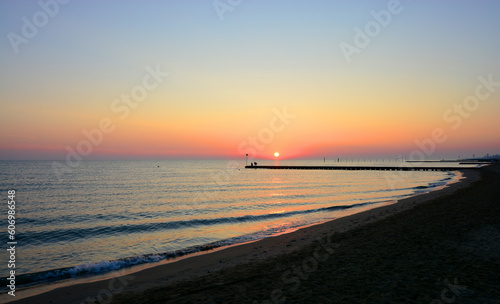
(158, 166)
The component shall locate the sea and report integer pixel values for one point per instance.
(98, 216)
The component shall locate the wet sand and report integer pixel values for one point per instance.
(441, 246)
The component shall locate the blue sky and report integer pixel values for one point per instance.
(262, 55)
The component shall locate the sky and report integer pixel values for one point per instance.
(225, 78)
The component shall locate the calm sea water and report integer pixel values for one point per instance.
(105, 215)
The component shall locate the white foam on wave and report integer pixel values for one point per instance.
(101, 267)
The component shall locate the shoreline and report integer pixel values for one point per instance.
(197, 265)
(36, 288)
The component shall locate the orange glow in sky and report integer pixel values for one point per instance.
(172, 85)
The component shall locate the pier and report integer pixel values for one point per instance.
(364, 168)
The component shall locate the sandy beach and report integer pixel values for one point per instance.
(442, 246)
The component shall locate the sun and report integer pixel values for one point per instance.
(276, 154)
